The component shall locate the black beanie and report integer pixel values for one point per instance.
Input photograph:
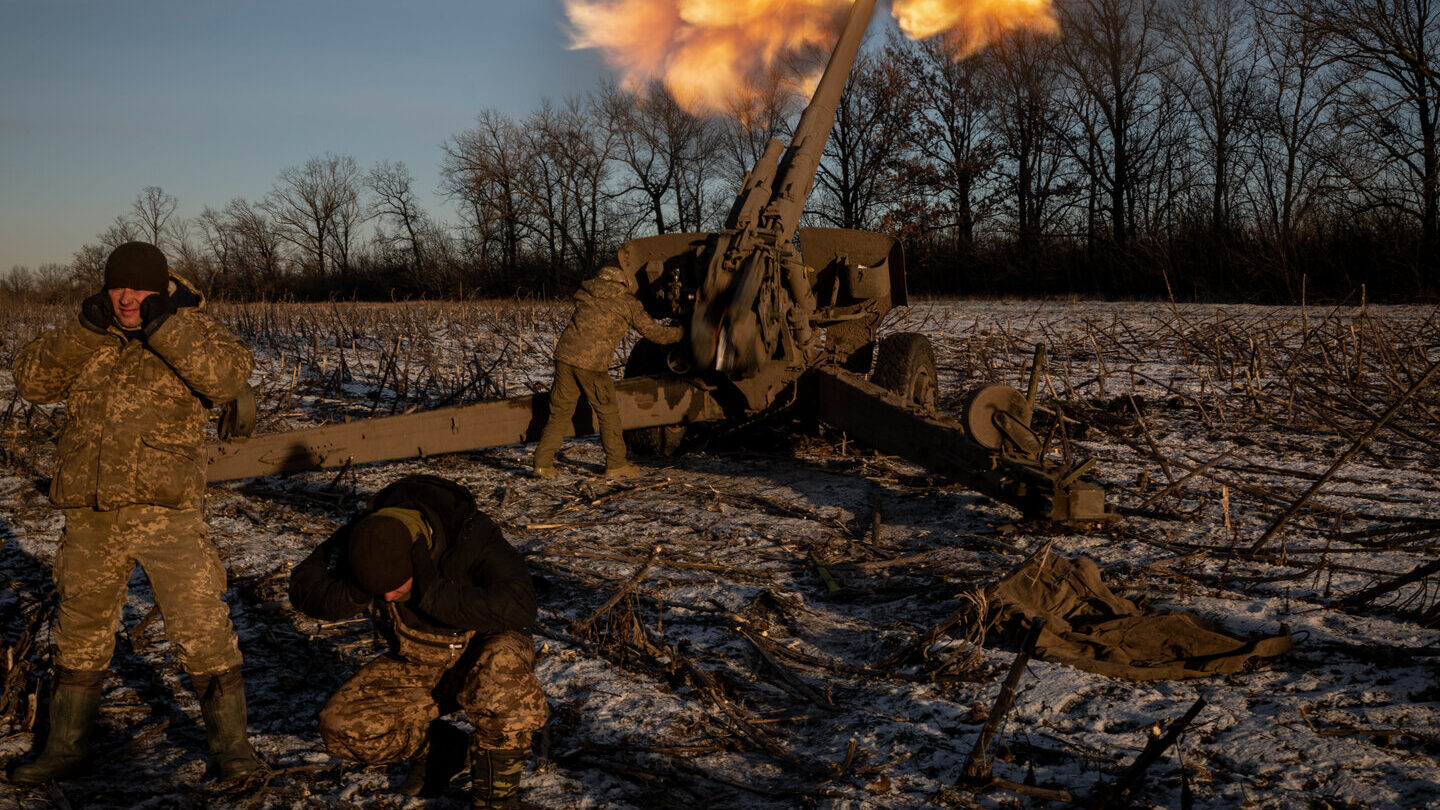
(380, 553)
(138, 266)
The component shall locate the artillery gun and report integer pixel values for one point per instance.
(769, 326)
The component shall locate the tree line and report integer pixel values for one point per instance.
(1260, 150)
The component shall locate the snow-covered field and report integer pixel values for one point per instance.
(731, 675)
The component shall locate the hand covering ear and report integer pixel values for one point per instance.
(154, 310)
(96, 312)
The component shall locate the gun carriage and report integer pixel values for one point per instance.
(776, 316)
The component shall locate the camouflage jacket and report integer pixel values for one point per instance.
(483, 583)
(604, 312)
(133, 410)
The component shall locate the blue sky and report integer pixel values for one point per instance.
(211, 99)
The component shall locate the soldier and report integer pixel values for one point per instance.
(605, 309)
(135, 370)
(456, 605)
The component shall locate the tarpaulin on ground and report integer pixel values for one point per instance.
(1090, 628)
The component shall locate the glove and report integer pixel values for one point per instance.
(153, 312)
(96, 312)
(424, 570)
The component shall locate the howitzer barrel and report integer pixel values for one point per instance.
(796, 175)
(734, 323)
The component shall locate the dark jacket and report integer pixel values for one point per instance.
(483, 584)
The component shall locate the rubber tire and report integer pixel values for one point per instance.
(905, 365)
(665, 440)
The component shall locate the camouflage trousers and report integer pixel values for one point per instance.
(383, 713)
(98, 553)
(599, 390)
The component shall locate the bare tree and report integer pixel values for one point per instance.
(122, 230)
(575, 152)
(856, 179)
(259, 244)
(188, 258)
(952, 133)
(58, 281)
(1111, 58)
(766, 111)
(1168, 183)
(1028, 119)
(316, 208)
(153, 215)
(666, 152)
(1298, 143)
(221, 243)
(17, 285)
(548, 198)
(87, 267)
(350, 214)
(485, 171)
(51, 283)
(1214, 70)
(1394, 99)
(397, 202)
(245, 248)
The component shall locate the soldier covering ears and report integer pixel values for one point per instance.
(135, 369)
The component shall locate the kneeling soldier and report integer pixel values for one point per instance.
(456, 604)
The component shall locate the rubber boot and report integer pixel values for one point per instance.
(222, 705)
(74, 708)
(446, 753)
(495, 776)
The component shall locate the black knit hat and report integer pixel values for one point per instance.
(380, 553)
(138, 266)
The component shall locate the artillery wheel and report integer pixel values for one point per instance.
(665, 440)
(996, 414)
(905, 365)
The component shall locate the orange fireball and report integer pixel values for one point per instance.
(707, 53)
(969, 25)
(711, 54)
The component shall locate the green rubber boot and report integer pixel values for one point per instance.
(74, 708)
(495, 777)
(222, 705)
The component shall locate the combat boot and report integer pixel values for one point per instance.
(222, 705)
(622, 470)
(495, 776)
(74, 708)
(446, 753)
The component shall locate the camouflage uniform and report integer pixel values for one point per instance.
(461, 642)
(383, 713)
(130, 477)
(605, 309)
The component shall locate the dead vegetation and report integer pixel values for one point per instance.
(789, 620)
